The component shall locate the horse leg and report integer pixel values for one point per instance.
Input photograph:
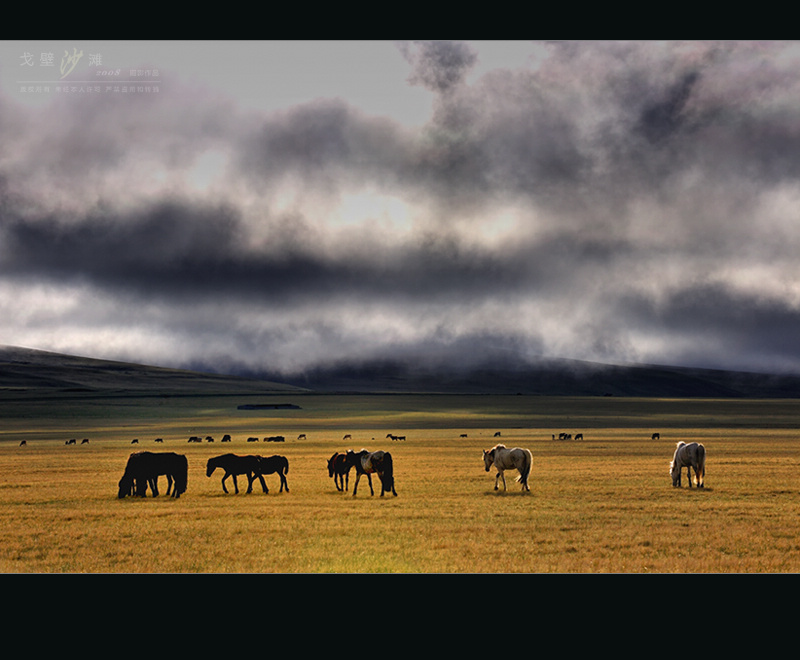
(263, 483)
(369, 478)
(500, 475)
(284, 482)
(169, 483)
(355, 485)
(225, 476)
(235, 483)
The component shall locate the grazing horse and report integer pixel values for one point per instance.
(366, 462)
(655, 436)
(271, 465)
(508, 459)
(144, 468)
(339, 469)
(233, 466)
(689, 456)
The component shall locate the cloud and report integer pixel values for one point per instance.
(617, 201)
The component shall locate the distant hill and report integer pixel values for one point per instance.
(27, 373)
(551, 377)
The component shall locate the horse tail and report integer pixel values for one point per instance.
(701, 464)
(387, 476)
(526, 468)
(285, 465)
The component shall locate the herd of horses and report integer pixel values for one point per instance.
(144, 468)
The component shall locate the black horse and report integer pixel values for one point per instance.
(339, 470)
(234, 465)
(144, 468)
(271, 465)
(369, 462)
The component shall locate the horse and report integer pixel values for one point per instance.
(339, 469)
(144, 468)
(270, 465)
(508, 459)
(689, 456)
(234, 465)
(366, 462)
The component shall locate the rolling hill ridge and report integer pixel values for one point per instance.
(28, 373)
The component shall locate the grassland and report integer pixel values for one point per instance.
(604, 504)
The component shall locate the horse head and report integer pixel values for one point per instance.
(210, 467)
(488, 459)
(332, 463)
(125, 486)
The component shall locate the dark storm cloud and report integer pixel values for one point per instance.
(438, 65)
(615, 201)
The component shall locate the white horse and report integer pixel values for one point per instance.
(509, 459)
(689, 456)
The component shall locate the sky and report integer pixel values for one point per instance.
(272, 207)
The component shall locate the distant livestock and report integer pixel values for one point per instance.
(275, 438)
(226, 437)
(396, 437)
(655, 436)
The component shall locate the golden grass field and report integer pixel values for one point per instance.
(604, 504)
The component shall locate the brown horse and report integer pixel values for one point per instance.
(339, 470)
(234, 465)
